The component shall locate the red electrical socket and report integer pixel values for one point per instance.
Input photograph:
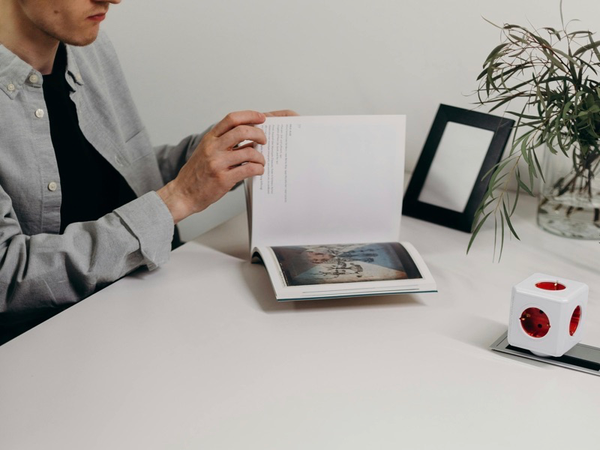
(574, 321)
(535, 322)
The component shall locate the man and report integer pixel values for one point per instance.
(84, 199)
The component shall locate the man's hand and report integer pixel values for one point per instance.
(218, 163)
(281, 113)
(215, 167)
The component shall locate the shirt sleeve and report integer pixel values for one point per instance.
(48, 271)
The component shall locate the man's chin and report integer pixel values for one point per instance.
(81, 41)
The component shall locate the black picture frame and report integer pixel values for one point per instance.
(460, 220)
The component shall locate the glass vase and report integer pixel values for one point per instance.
(569, 199)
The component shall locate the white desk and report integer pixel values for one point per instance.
(199, 355)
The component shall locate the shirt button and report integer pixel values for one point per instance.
(39, 113)
(52, 186)
(78, 78)
(34, 78)
(118, 161)
(11, 87)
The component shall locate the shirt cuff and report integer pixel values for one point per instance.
(151, 222)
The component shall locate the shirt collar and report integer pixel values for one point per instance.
(16, 73)
(74, 79)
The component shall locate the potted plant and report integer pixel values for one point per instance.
(548, 80)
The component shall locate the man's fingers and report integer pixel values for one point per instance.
(244, 171)
(242, 145)
(235, 119)
(238, 127)
(228, 160)
(281, 113)
(245, 155)
(242, 133)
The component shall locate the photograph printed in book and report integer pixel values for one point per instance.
(326, 264)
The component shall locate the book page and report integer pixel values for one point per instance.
(329, 180)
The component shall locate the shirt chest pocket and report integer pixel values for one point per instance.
(138, 146)
(121, 153)
(113, 129)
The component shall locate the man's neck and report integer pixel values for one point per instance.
(27, 42)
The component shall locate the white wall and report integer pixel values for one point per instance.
(189, 62)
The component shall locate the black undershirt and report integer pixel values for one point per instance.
(90, 186)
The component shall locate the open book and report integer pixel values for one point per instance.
(324, 218)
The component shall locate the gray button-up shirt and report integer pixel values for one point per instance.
(40, 268)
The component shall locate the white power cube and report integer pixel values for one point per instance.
(547, 314)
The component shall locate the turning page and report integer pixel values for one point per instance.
(328, 180)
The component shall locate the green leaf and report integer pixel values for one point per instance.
(508, 222)
(557, 62)
(593, 45)
(494, 53)
(515, 201)
(476, 230)
(565, 55)
(575, 34)
(517, 38)
(553, 32)
(501, 236)
(524, 116)
(538, 165)
(525, 187)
